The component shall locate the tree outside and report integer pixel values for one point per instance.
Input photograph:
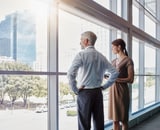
(15, 87)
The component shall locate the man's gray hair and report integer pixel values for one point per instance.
(90, 36)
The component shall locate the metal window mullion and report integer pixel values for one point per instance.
(141, 60)
(113, 6)
(113, 36)
(141, 78)
(129, 37)
(157, 52)
(141, 18)
(125, 9)
(158, 17)
(129, 17)
(157, 93)
(53, 67)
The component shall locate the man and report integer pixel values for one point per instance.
(89, 66)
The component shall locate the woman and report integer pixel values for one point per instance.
(119, 92)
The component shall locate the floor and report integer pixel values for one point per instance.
(152, 123)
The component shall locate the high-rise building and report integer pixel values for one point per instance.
(17, 37)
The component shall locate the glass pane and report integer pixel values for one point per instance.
(150, 60)
(117, 6)
(67, 106)
(104, 3)
(23, 34)
(118, 34)
(135, 85)
(135, 94)
(149, 90)
(150, 26)
(69, 39)
(23, 102)
(135, 17)
(135, 55)
(105, 103)
(69, 45)
(150, 5)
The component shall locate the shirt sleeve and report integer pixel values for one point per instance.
(72, 73)
(112, 77)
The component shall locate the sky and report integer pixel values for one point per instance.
(8, 6)
(39, 9)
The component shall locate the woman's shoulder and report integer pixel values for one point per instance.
(130, 60)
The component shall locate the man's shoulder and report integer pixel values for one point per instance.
(101, 54)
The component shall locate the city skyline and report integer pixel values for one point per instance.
(17, 35)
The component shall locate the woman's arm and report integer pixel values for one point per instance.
(130, 78)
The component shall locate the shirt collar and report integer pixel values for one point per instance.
(89, 47)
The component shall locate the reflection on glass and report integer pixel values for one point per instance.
(23, 33)
(23, 102)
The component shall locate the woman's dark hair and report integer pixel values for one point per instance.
(120, 42)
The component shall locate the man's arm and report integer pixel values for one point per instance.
(72, 73)
(112, 77)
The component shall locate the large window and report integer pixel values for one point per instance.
(40, 38)
(135, 86)
(23, 65)
(69, 45)
(23, 99)
(70, 29)
(119, 7)
(145, 75)
(104, 3)
(150, 26)
(135, 17)
(149, 80)
(144, 16)
(23, 38)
